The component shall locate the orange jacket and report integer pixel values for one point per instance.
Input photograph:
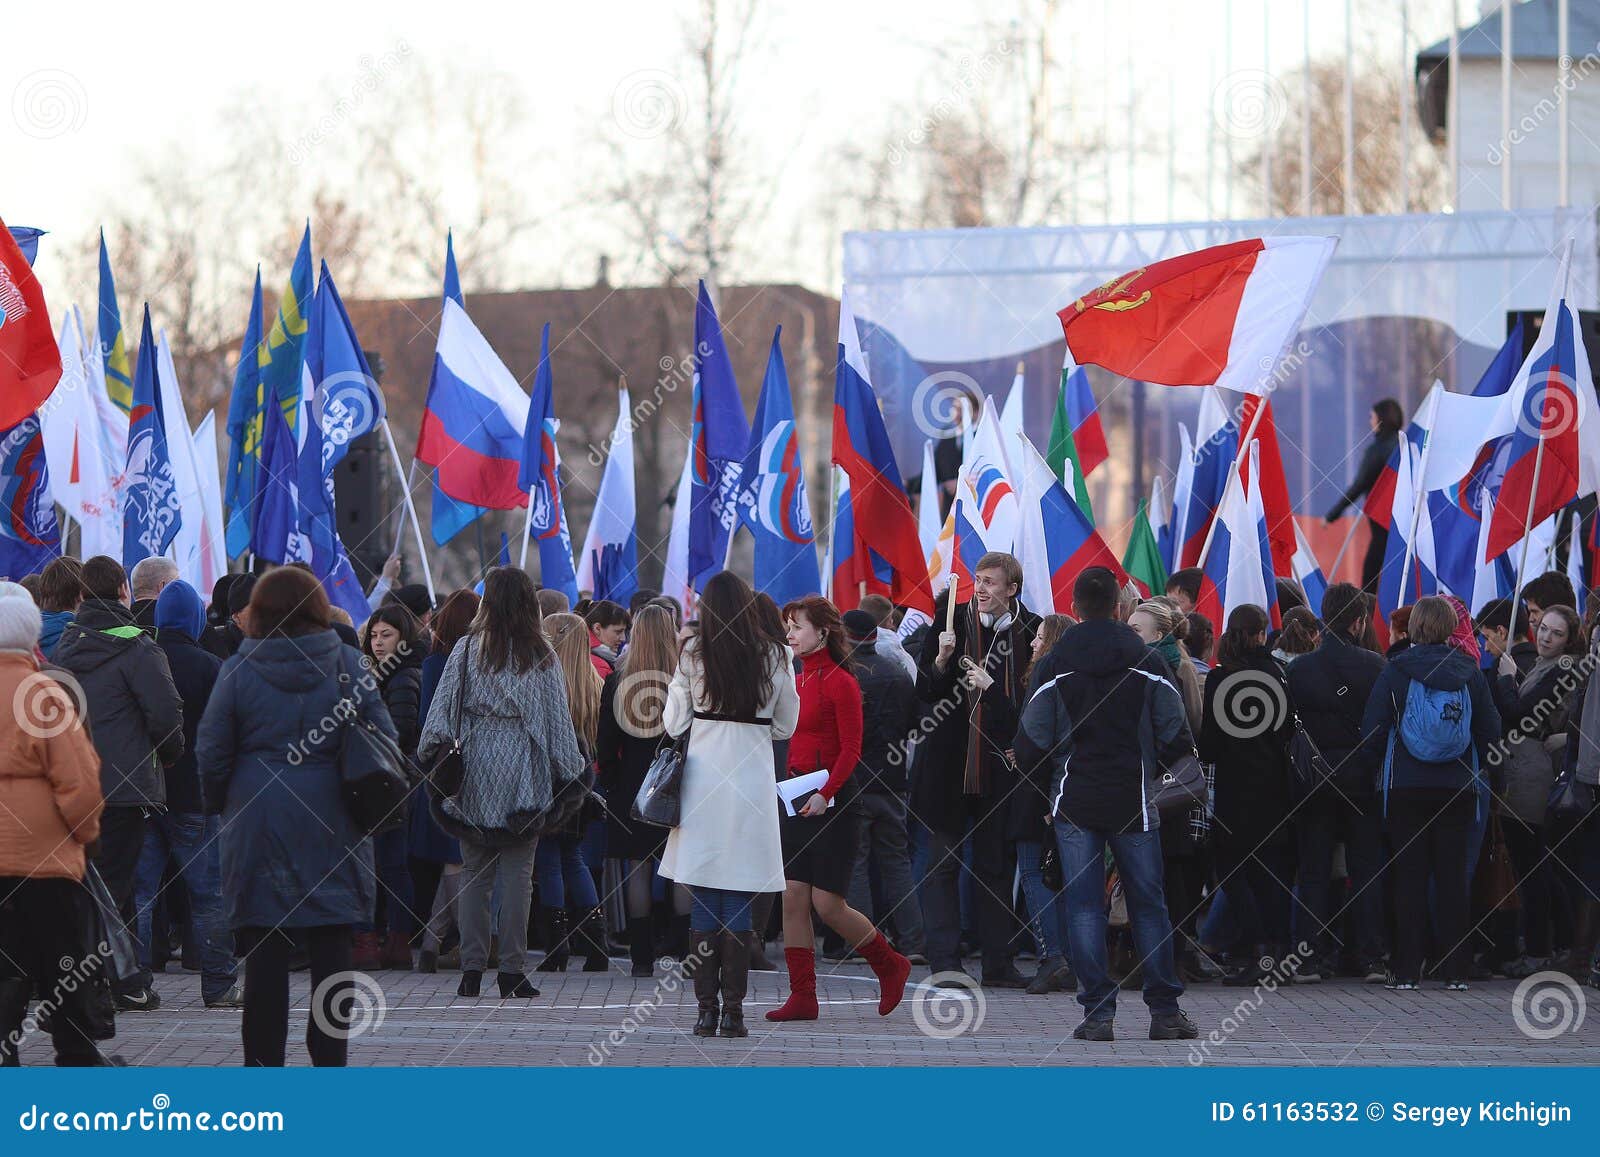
(50, 798)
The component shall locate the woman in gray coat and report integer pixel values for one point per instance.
(294, 867)
(503, 697)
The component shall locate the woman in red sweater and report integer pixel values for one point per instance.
(819, 841)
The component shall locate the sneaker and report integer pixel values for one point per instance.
(1455, 986)
(953, 978)
(1372, 973)
(233, 998)
(1095, 1030)
(1525, 966)
(1172, 1026)
(1309, 972)
(144, 1000)
(1394, 984)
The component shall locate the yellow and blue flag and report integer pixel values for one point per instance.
(245, 434)
(113, 349)
(283, 355)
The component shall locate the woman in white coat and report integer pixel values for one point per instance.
(735, 685)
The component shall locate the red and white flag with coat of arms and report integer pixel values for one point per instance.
(30, 362)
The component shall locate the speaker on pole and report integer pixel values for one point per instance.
(361, 489)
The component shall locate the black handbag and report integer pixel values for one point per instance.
(660, 798)
(1308, 768)
(1570, 800)
(374, 774)
(448, 770)
(1180, 785)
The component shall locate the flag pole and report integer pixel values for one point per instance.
(1527, 518)
(1418, 488)
(833, 523)
(400, 523)
(1244, 446)
(411, 509)
(1349, 535)
(527, 533)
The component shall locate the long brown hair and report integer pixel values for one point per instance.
(736, 658)
(508, 624)
(569, 636)
(452, 622)
(644, 671)
(1051, 628)
(824, 616)
(1238, 643)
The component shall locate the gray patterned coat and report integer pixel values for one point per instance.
(517, 745)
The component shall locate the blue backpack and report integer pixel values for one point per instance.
(1436, 727)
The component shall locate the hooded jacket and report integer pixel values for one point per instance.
(1329, 690)
(267, 752)
(135, 714)
(1103, 717)
(180, 620)
(51, 624)
(1444, 668)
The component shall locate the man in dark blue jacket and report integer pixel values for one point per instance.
(1329, 689)
(1431, 798)
(1103, 718)
(184, 833)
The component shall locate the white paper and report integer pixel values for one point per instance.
(800, 786)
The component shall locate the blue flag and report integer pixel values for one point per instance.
(245, 409)
(27, 239)
(274, 533)
(347, 394)
(29, 534)
(150, 510)
(771, 493)
(718, 439)
(450, 516)
(539, 474)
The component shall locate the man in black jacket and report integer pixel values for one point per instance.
(1102, 720)
(970, 681)
(136, 720)
(888, 705)
(1329, 689)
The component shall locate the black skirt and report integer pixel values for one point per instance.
(822, 851)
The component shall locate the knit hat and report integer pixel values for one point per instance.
(414, 597)
(859, 625)
(1465, 637)
(239, 593)
(178, 608)
(19, 619)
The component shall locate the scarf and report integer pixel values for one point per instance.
(1465, 636)
(973, 781)
(1167, 647)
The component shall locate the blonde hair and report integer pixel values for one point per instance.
(644, 671)
(1169, 619)
(569, 637)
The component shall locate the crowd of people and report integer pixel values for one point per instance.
(1129, 795)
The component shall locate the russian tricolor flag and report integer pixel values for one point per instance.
(1055, 541)
(1084, 417)
(1235, 573)
(1217, 446)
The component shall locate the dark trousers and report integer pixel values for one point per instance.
(1372, 561)
(1259, 878)
(1331, 817)
(42, 952)
(266, 993)
(1431, 837)
(994, 865)
(1530, 861)
(122, 836)
(395, 912)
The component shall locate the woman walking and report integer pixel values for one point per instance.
(733, 692)
(502, 696)
(1386, 420)
(568, 901)
(819, 839)
(630, 732)
(296, 871)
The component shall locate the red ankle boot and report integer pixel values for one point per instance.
(891, 969)
(802, 1002)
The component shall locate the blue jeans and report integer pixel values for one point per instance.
(191, 840)
(1047, 910)
(564, 879)
(1083, 866)
(713, 908)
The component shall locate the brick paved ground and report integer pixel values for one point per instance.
(425, 1023)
